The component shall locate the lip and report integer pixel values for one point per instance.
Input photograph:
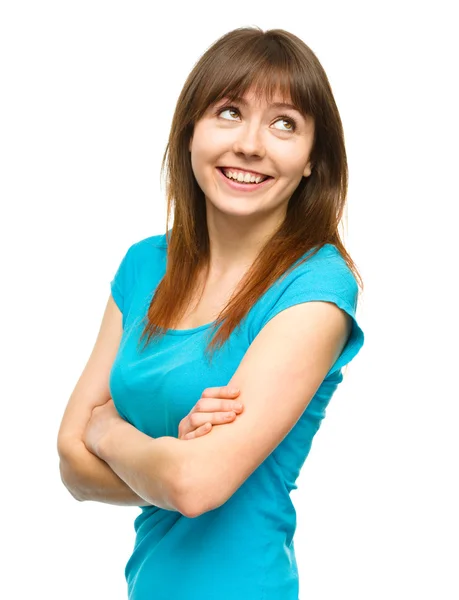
(243, 187)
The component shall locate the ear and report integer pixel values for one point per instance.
(308, 169)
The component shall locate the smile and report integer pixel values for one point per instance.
(241, 185)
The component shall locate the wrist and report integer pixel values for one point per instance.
(110, 439)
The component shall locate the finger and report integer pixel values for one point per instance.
(197, 420)
(224, 391)
(211, 405)
(198, 432)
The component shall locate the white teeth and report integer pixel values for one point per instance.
(244, 177)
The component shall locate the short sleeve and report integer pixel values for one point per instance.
(122, 284)
(326, 277)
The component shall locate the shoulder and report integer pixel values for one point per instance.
(327, 270)
(322, 271)
(147, 251)
(142, 257)
(320, 276)
(149, 244)
(327, 259)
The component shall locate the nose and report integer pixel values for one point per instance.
(249, 141)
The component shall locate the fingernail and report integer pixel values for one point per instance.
(234, 391)
(237, 405)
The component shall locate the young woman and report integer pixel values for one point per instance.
(250, 288)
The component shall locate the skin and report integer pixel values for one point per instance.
(255, 138)
(211, 408)
(103, 417)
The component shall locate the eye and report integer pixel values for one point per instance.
(282, 118)
(289, 120)
(229, 109)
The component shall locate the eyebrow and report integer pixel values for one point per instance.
(272, 105)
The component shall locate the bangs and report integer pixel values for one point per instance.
(265, 68)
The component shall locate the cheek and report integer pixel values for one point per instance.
(199, 161)
(209, 143)
(293, 162)
(201, 152)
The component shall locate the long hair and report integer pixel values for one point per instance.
(265, 62)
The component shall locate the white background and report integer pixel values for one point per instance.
(87, 96)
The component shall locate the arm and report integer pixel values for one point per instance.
(151, 467)
(298, 346)
(87, 477)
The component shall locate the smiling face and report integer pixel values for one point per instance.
(250, 135)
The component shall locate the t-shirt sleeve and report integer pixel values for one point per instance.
(122, 284)
(328, 279)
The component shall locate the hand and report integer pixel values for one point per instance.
(103, 417)
(211, 409)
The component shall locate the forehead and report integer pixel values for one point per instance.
(253, 99)
(260, 99)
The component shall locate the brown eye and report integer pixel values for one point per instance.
(283, 118)
(230, 110)
(289, 122)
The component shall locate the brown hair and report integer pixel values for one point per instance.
(266, 62)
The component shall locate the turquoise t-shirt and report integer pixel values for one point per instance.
(245, 548)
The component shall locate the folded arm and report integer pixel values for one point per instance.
(299, 345)
(87, 477)
(131, 469)
(151, 467)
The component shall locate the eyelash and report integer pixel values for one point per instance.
(281, 117)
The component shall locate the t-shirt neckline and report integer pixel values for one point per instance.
(189, 331)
